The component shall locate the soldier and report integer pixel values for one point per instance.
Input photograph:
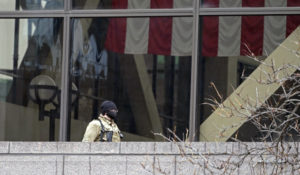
(104, 129)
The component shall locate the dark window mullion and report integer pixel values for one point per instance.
(64, 105)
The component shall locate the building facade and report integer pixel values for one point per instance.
(154, 58)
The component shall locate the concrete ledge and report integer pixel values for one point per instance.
(188, 148)
(144, 148)
(163, 148)
(140, 157)
(4, 146)
(137, 148)
(73, 147)
(218, 147)
(105, 148)
(33, 147)
(30, 164)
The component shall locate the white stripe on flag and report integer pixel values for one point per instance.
(274, 27)
(182, 34)
(229, 31)
(137, 34)
(230, 3)
(134, 4)
(275, 3)
(182, 3)
(137, 30)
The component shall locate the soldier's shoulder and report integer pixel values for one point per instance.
(95, 122)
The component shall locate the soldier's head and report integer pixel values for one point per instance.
(109, 108)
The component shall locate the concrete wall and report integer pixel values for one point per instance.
(133, 158)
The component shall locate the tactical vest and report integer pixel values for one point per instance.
(106, 134)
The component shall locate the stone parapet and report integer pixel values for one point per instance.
(139, 157)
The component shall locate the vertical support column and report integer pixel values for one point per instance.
(67, 5)
(16, 54)
(154, 75)
(194, 68)
(64, 101)
(200, 76)
(169, 90)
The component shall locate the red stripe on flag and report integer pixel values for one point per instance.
(210, 32)
(161, 4)
(119, 4)
(292, 21)
(116, 33)
(160, 35)
(253, 3)
(252, 30)
(293, 3)
(160, 30)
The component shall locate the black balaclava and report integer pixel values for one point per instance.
(107, 107)
(112, 114)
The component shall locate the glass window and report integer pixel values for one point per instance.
(249, 3)
(244, 35)
(30, 73)
(142, 64)
(15, 5)
(131, 4)
(226, 45)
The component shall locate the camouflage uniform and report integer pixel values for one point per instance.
(94, 130)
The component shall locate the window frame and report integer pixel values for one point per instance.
(67, 13)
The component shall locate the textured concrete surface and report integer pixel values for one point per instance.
(137, 165)
(137, 147)
(77, 165)
(73, 147)
(106, 164)
(164, 165)
(163, 148)
(130, 158)
(185, 166)
(190, 148)
(105, 148)
(4, 147)
(33, 147)
(29, 164)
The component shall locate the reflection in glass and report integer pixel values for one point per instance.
(142, 64)
(228, 39)
(249, 3)
(245, 35)
(29, 47)
(226, 45)
(15, 5)
(128, 4)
